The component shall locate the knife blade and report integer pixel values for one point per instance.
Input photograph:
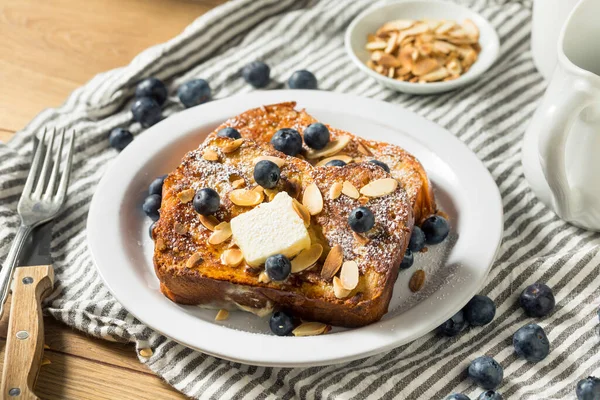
(37, 249)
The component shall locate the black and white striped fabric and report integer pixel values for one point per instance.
(490, 116)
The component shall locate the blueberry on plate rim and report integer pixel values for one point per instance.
(206, 201)
(287, 141)
(194, 92)
(480, 310)
(407, 260)
(281, 323)
(119, 138)
(335, 163)
(229, 132)
(302, 79)
(146, 111)
(436, 228)
(381, 164)
(361, 219)
(316, 136)
(537, 300)
(156, 185)
(153, 88)
(490, 395)
(453, 326)
(486, 372)
(531, 343)
(278, 267)
(417, 239)
(588, 389)
(257, 74)
(457, 396)
(266, 174)
(151, 206)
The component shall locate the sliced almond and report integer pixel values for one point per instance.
(210, 155)
(278, 161)
(307, 258)
(445, 27)
(333, 147)
(160, 244)
(238, 183)
(417, 281)
(436, 75)
(372, 46)
(194, 260)
(302, 212)
(222, 315)
(263, 277)
(342, 157)
(416, 29)
(350, 190)
(349, 275)
(362, 240)
(232, 257)
(385, 60)
(310, 329)
(397, 25)
(221, 233)
(333, 262)
(363, 150)
(180, 228)
(271, 193)
(335, 191)
(363, 200)
(443, 47)
(424, 66)
(232, 146)
(338, 289)
(312, 199)
(380, 187)
(209, 221)
(146, 352)
(246, 198)
(454, 67)
(185, 196)
(391, 44)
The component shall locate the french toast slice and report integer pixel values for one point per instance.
(260, 124)
(192, 270)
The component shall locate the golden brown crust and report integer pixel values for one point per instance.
(206, 280)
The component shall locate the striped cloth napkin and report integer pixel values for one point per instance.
(490, 116)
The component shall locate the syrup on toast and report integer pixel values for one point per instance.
(190, 262)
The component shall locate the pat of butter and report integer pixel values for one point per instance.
(271, 228)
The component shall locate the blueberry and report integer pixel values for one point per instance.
(257, 74)
(146, 111)
(335, 163)
(287, 141)
(588, 389)
(486, 372)
(119, 138)
(278, 267)
(407, 260)
(230, 133)
(537, 300)
(480, 310)
(151, 206)
(490, 395)
(316, 136)
(157, 185)
(302, 79)
(436, 229)
(361, 219)
(206, 201)
(281, 323)
(153, 88)
(266, 174)
(455, 325)
(194, 92)
(417, 239)
(458, 396)
(531, 343)
(381, 164)
(151, 230)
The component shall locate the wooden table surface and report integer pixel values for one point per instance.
(47, 49)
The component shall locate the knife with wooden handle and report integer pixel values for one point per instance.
(25, 336)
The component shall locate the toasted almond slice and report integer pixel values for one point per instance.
(391, 44)
(405, 56)
(194, 260)
(160, 244)
(404, 69)
(333, 262)
(335, 191)
(363, 200)
(185, 196)
(415, 30)
(391, 72)
(445, 27)
(232, 257)
(245, 198)
(302, 212)
(471, 29)
(380, 187)
(278, 161)
(372, 46)
(306, 258)
(145, 352)
(349, 275)
(312, 199)
(469, 58)
(397, 25)
(332, 148)
(454, 67)
(221, 233)
(349, 190)
(210, 155)
(424, 66)
(385, 60)
(441, 46)
(180, 228)
(343, 157)
(238, 183)
(362, 149)
(263, 277)
(338, 289)
(433, 24)
(310, 329)
(271, 193)
(222, 315)
(436, 75)
(232, 146)
(417, 281)
(362, 240)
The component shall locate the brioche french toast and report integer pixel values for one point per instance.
(201, 259)
(260, 124)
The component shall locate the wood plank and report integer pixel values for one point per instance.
(5, 135)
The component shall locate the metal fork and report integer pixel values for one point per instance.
(40, 201)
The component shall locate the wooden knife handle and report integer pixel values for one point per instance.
(25, 337)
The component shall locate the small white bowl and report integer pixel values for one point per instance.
(370, 20)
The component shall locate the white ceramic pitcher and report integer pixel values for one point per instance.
(561, 150)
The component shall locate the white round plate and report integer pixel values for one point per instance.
(371, 19)
(118, 233)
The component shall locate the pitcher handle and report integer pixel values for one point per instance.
(558, 116)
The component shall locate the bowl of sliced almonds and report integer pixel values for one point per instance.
(422, 47)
